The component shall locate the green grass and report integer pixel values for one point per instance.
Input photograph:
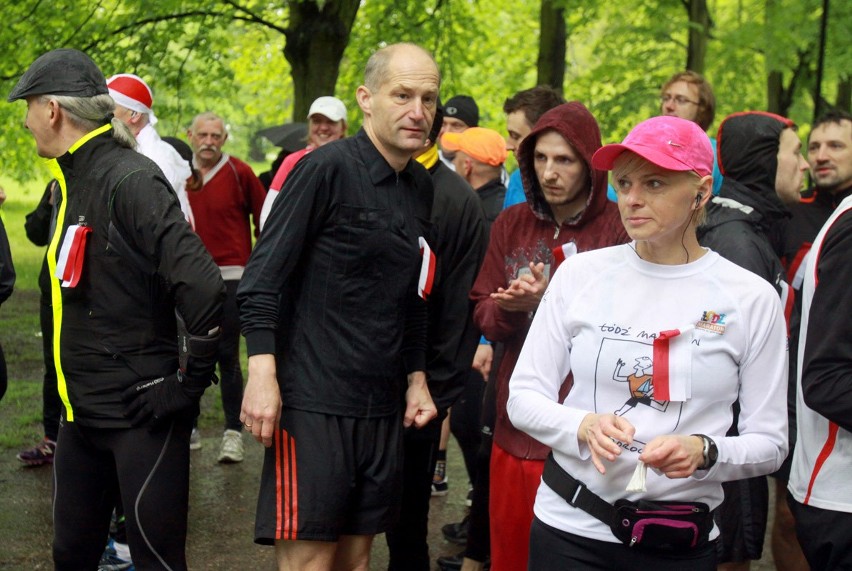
(20, 333)
(22, 199)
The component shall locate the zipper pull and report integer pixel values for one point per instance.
(81, 221)
(633, 541)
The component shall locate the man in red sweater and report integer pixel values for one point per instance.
(229, 196)
(566, 208)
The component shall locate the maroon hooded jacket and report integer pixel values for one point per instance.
(528, 232)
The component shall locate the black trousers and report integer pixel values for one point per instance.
(4, 376)
(465, 421)
(551, 548)
(478, 545)
(148, 469)
(51, 403)
(407, 540)
(824, 535)
(228, 356)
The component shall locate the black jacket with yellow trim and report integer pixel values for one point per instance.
(142, 262)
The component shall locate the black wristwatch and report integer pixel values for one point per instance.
(711, 453)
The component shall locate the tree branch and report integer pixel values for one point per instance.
(254, 17)
(154, 20)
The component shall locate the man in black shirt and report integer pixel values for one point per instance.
(332, 318)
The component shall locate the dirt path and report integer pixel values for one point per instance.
(221, 515)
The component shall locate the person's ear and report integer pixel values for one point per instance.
(704, 191)
(53, 112)
(364, 97)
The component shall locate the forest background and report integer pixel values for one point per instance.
(261, 63)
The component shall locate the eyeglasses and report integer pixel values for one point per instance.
(679, 100)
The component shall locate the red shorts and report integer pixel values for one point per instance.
(514, 483)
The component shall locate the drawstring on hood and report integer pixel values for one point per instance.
(575, 123)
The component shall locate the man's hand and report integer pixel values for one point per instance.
(261, 410)
(598, 432)
(157, 400)
(482, 359)
(524, 293)
(674, 455)
(419, 408)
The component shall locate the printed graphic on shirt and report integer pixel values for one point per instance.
(712, 322)
(625, 372)
(517, 263)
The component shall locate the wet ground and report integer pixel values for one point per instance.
(221, 516)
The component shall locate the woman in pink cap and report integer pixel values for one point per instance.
(662, 336)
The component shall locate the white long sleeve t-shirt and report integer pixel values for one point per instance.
(599, 318)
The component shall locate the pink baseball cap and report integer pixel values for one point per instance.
(671, 143)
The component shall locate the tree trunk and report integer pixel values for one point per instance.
(780, 97)
(774, 92)
(844, 94)
(317, 34)
(551, 48)
(823, 32)
(699, 33)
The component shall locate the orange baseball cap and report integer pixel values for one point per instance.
(485, 145)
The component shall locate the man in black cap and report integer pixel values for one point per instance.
(136, 307)
(460, 113)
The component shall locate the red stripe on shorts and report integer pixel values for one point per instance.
(287, 512)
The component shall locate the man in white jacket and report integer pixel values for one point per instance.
(133, 100)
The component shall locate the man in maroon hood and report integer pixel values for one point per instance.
(566, 211)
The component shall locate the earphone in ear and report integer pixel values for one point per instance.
(698, 199)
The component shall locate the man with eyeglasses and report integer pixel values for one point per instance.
(689, 96)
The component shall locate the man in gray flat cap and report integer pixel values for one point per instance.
(137, 302)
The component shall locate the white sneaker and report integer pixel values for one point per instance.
(232, 447)
(195, 440)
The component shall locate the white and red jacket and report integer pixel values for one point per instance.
(822, 460)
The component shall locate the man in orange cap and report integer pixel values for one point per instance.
(479, 157)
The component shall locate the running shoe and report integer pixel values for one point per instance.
(39, 455)
(232, 447)
(110, 561)
(439, 480)
(195, 440)
(456, 532)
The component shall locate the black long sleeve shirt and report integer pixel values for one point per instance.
(331, 286)
(461, 236)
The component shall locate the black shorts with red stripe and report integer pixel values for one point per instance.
(325, 476)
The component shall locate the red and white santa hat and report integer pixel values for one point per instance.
(132, 92)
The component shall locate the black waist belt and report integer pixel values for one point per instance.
(576, 492)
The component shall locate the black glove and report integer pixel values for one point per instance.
(197, 354)
(158, 400)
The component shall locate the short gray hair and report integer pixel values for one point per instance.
(89, 113)
(207, 116)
